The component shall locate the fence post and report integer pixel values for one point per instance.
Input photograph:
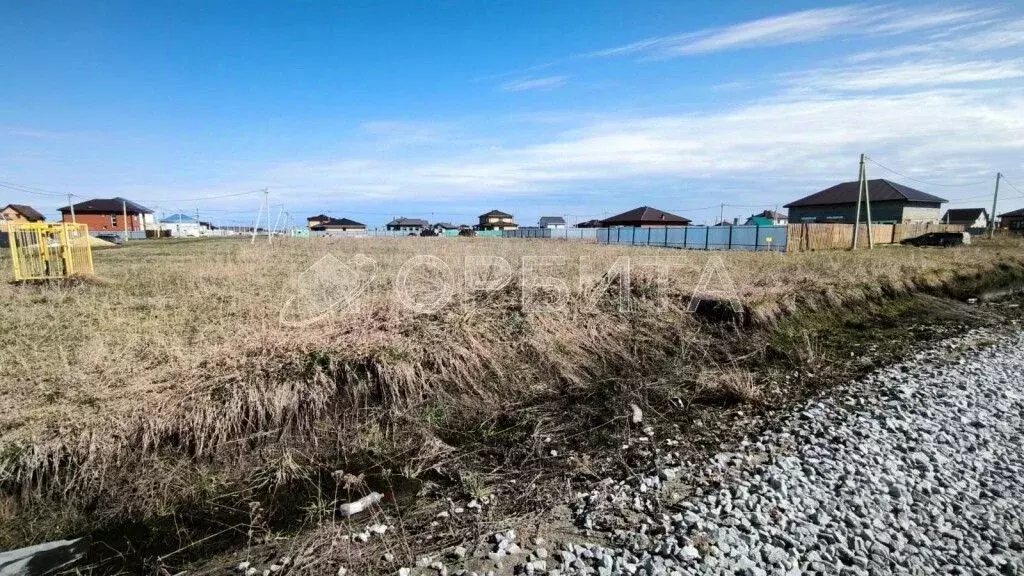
(707, 237)
(633, 240)
(618, 235)
(730, 237)
(684, 236)
(757, 236)
(648, 236)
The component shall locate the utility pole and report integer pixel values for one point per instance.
(124, 211)
(860, 194)
(992, 217)
(721, 213)
(266, 201)
(867, 200)
(72, 206)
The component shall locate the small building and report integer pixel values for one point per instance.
(443, 228)
(108, 215)
(497, 220)
(553, 222)
(181, 225)
(890, 203)
(589, 224)
(19, 213)
(404, 224)
(973, 220)
(767, 218)
(337, 225)
(645, 217)
(1012, 221)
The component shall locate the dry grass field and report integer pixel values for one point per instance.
(175, 359)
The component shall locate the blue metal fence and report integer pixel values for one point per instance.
(753, 238)
(553, 233)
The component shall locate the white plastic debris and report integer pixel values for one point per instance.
(638, 414)
(352, 508)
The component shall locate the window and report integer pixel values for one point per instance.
(113, 220)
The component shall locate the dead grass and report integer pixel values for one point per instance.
(178, 359)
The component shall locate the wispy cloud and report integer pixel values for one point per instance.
(525, 84)
(797, 27)
(820, 140)
(1000, 36)
(910, 74)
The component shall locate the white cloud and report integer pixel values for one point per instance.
(800, 140)
(533, 84)
(1000, 36)
(798, 27)
(910, 74)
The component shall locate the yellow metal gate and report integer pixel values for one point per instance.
(44, 251)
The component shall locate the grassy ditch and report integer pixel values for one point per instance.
(169, 408)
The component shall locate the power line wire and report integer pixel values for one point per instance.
(964, 185)
(33, 191)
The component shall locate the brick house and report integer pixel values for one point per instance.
(108, 215)
(19, 213)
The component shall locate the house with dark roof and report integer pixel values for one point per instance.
(108, 214)
(644, 217)
(972, 219)
(329, 224)
(404, 224)
(19, 213)
(497, 220)
(890, 203)
(589, 224)
(551, 222)
(1012, 221)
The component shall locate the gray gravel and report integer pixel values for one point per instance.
(917, 468)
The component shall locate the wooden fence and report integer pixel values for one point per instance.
(840, 236)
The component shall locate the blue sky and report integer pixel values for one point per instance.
(444, 110)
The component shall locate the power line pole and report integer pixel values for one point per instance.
(124, 210)
(266, 201)
(721, 213)
(72, 207)
(992, 217)
(860, 195)
(867, 201)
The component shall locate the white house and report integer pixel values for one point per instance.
(972, 219)
(551, 222)
(182, 225)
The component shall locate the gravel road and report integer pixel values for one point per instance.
(917, 468)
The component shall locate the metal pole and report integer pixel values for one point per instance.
(124, 209)
(721, 212)
(992, 217)
(867, 200)
(860, 194)
(72, 206)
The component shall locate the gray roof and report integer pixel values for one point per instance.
(1018, 212)
(963, 215)
(880, 189)
(545, 220)
(344, 222)
(496, 214)
(115, 205)
(409, 222)
(644, 215)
